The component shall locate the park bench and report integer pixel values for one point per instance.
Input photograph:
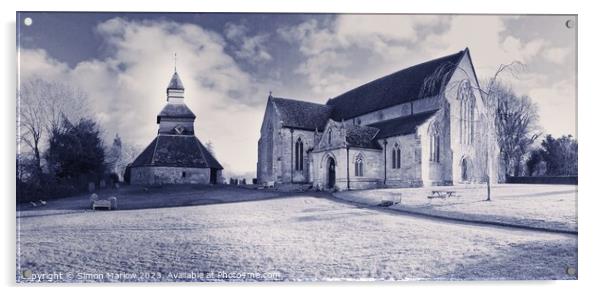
(101, 204)
(109, 204)
(442, 194)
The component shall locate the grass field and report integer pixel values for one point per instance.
(298, 237)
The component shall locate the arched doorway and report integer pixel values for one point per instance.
(464, 167)
(331, 173)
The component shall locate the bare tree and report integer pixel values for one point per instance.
(516, 126)
(41, 107)
(439, 83)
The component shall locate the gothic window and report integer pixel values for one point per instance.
(467, 112)
(434, 142)
(396, 155)
(299, 155)
(359, 165)
(329, 136)
(394, 158)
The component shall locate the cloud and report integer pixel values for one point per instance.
(557, 105)
(127, 88)
(249, 48)
(337, 50)
(557, 55)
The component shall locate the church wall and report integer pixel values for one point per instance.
(170, 175)
(286, 153)
(266, 151)
(433, 172)
(410, 173)
(474, 152)
(373, 173)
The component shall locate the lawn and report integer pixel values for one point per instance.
(292, 237)
(538, 206)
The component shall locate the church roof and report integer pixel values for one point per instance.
(301, 114)
(362, 136)
(401, 126)
(175, 82)
(176, 151)
(174, 110)
(400, 87)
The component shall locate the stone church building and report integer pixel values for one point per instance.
(420, 126)
(176, 155)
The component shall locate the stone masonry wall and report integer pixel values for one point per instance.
(165, 175)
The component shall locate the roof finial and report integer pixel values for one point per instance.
(270, 93)
(175, 61)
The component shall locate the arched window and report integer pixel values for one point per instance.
(329, 136)
(299, 155)
(467, 112)
(396, 156)
(359, 165)
(434, 142)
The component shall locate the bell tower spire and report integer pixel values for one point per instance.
(175, 89)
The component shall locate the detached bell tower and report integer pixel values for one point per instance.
(176, 155)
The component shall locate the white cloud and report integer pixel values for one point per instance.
(332, 63)
(250, 48)
(127, 89)
(557, 105)
(557, 55)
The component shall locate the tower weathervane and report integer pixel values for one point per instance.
(175, 61)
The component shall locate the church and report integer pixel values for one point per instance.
(176, 155)
(421, 126)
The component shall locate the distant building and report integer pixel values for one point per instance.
(175, 155)
(420, 126)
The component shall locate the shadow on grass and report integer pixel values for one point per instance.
(166, 197)
(535, 260)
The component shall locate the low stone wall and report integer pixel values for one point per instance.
(542, 179)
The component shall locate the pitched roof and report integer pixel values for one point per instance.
(402, 86)
(362, 136)
(401, 126)
(176, 151)
(175, 82)
(174, 110)
(301, 114)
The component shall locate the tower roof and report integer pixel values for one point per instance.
(176, 151)
(175, 82)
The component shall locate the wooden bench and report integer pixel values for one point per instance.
(109, 204)
(101, 204)
(442, 194)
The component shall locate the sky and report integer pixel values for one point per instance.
(230, 62)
